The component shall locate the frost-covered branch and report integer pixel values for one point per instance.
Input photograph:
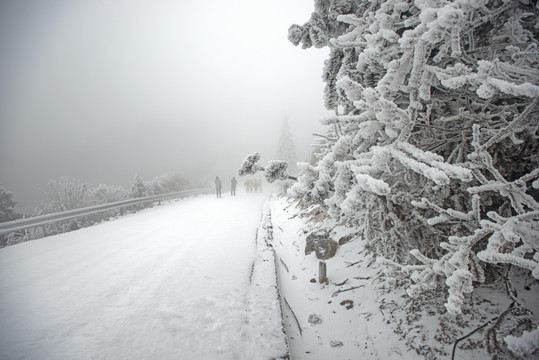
(275, 170)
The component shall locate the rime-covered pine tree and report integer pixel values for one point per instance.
(432, 152)
(138, 189)
(7, 205)
(7, 211)
(287, 149)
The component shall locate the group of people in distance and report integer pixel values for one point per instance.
(250, 186)
(253, 185)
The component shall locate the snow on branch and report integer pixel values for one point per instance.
(526, 344)
(275, 170)
(249, 165)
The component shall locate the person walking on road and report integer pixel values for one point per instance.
(218, 186)
(233, 184)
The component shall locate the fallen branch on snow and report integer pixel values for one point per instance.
(295, 317)
(286, 267)
(352, 288)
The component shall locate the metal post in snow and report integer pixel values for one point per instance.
(44, 230)
(322, 272)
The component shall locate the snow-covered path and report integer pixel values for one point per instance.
(167, 283)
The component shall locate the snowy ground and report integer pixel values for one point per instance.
(359, 313)
(188, 280)
(337, 326)
(196, 279)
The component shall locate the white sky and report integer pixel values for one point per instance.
(104, 89)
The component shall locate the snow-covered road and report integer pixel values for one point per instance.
(170, 282)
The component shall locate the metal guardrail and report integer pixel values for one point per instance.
(40, 220)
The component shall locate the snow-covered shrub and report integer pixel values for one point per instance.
(103, 194)
(7, 205)
(166, 183)
(139, 189)
(309, 188)
(62, 194)
(7, 211)
(432, 151)
(286, 150)
(65, 193)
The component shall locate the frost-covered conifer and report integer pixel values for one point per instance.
(138, 189)
(287, 150)
(7, 212)
(432, 151)
(7, 205)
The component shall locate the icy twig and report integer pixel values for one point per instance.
(508, 130)
(286, 267)
(473, 332)
(295, 317)
(340, 291)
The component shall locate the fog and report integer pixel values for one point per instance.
(103, 90)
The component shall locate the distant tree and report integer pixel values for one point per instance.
(7, 206)
(287, 149)
(138, 189)
(7, 212)
(62, 194)
(167, 183)
(103, 194)
(65, 193)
